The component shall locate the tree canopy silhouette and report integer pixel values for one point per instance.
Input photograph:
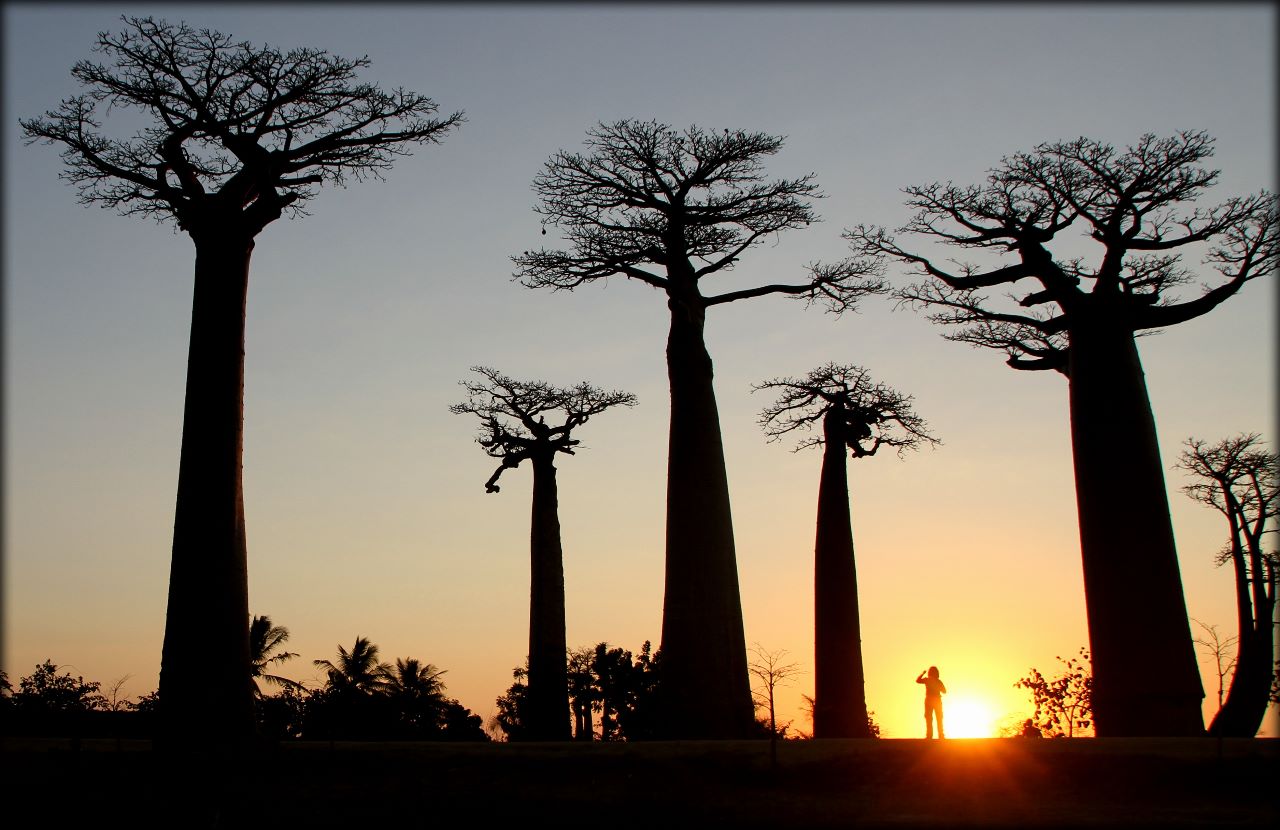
(1238, 477)
(1081, 320)
(859, 416)
(235, 135)
(670, 209)
(264, 639)
(514, 429)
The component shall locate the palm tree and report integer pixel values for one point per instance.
(411, 679)
(357, 670)
(265, 638)
(418, 693)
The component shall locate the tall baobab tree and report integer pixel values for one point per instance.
(513, 428)
(859, 416)
(238, 135)
(1239, 478)
(1081, 320)
(670, 209)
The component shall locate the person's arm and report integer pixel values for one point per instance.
(942, 687)
(920, 677)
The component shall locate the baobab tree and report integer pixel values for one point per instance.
(238, 135)
(1081, 320)
(1239, 478)
(859, 416)
(670, 209)
(513, 428)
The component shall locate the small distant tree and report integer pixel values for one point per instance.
(417, 694)
(1222, 650)
(238, 135)
(582, 692)
(1063, 704)
(357, 671)
(676, 211)
(113, 701)
(45, 690)
(1059, 310)
(768, 667)
(514, 429)
(265, 637)
(1241, 480)
(859, 416)
(510, 717)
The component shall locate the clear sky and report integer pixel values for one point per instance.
(365, 497)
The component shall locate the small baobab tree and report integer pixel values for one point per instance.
(859, 416)
(238, 135)
(676, 210)
(770, 669)
(514, 429)
(1065, 312)
(1239, 478)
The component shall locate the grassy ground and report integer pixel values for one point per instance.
(887, 783)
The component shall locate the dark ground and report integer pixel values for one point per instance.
(1173, 783)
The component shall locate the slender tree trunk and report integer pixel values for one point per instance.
(1146, 681)
(840, 702)
(705, 687)
(1240, 716)
(548, 677)
(206, 695)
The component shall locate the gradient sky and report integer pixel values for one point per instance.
(364, 496)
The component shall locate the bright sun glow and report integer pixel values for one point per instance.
(966, 718)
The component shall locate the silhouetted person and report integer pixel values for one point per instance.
(1030, 730)
(934, 689)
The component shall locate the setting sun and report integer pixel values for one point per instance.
(967, 718)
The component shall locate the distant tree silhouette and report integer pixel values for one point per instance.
(1222, 650)
(582, 692)
(510, 717)
(669, 209)
(238, 135)
(1081, 321)
(860, 416)
(357, 671)
(768, 667)
(264, 639)
(418, 694)
(1239, 478)
(603, 679)
(45, 690)
(514, 429)
(1063, 704)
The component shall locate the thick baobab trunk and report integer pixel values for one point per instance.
(705, 687)
(1145, 678)
(206, 695)
(840, 702)
(548, 678)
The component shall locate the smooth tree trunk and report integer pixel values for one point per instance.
(1145, 678)
(548, 676)
(206, 693)
(1247, 700)
(840, 702)
(705, 688)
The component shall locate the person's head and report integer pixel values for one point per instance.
(933, 672)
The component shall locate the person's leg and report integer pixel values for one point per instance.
(928, 721)
(938, 711)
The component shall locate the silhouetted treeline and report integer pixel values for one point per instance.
(401, 703)
(612, 695)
